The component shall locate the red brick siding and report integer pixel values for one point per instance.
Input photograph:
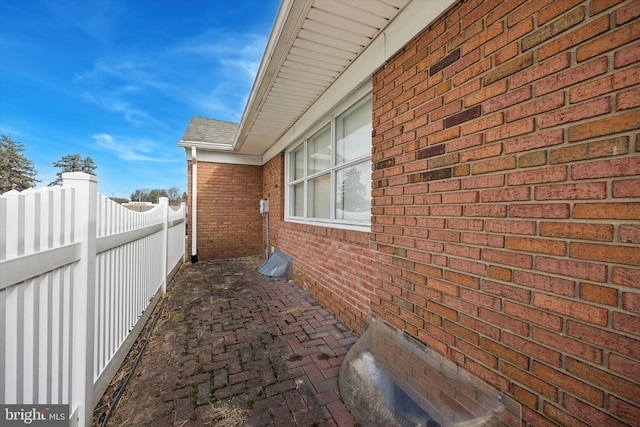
(273, 189)
(229, 221)
(335, 266)
(506, 209)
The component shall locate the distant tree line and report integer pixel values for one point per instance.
(153, 196)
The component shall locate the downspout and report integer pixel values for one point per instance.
(194, 205)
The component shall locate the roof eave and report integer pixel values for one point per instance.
(282, 35)
(272, 117)
(210, 146)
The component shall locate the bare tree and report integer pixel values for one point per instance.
(152, 196)
(173, 194)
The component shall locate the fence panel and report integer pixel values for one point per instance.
(38, 251)
(77, 284)
(176, 244)
(130, 251)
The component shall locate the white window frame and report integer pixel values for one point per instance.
(329, 119)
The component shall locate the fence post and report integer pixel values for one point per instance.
(84, 280)
(164, 202)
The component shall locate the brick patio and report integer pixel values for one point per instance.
(234, 349)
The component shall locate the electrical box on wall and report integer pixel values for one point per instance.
(264, 206)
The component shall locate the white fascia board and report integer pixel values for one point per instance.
(205, 145)
(206, 154)
(231, 158)
(415, 17)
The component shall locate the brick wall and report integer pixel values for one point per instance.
(335, 266)
(229, 221)
(273, 189)
(506, 201)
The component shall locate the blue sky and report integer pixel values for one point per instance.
(119, 80)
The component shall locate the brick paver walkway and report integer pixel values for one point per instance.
(234, 349)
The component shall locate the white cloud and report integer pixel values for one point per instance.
(139, 150)
(96, 21)
(132, 114)
(113, 102)
(188, 75)
(235, 51)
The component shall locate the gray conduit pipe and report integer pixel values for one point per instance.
(120, 391)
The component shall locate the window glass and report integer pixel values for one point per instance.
(297, 200)
(353, 133)
(319, 151)
(319, 197)
(353, 192)
(297, 163)
(329, 172)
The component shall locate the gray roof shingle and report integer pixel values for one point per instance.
(201, 129)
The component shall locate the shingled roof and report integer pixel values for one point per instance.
(210, 131)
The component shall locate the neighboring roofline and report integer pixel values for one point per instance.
(217, 120)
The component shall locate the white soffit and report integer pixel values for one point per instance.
(319, 52)
(312, 43)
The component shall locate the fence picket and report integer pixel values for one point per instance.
(46, 354)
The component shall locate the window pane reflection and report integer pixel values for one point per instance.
(353, 195)
(297, 202)
(353, 133)
(319, 197)
(319, 151)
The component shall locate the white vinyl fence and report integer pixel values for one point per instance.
(79, 276)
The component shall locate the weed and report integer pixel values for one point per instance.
(227, 415)
(177, 318)
(295, 311)
(194, 395)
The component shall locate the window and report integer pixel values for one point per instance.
(329, 173)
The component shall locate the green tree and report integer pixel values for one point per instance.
(16, 171)
(73, 163)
